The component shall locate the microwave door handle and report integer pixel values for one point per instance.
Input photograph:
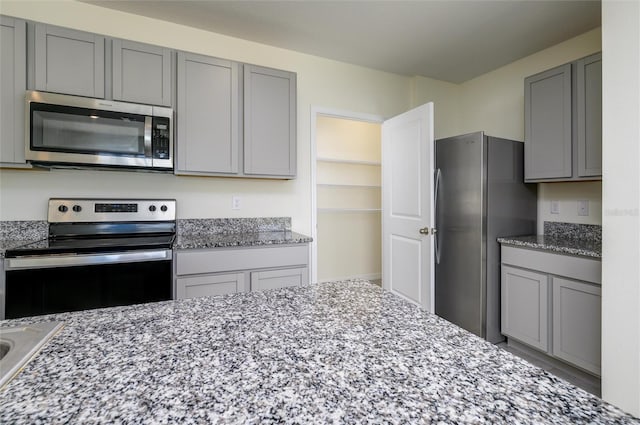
(147, 140)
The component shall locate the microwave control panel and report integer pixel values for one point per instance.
(160, 145)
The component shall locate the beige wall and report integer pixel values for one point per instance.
(321, 82)
(621, 204)
(494, 103)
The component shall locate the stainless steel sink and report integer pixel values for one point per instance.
(20, 344)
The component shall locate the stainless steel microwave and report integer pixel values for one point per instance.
(73, 131)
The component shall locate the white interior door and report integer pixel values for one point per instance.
(407, 205)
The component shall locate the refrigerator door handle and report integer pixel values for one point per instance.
(435, 208)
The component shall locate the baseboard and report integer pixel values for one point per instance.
(370, 276)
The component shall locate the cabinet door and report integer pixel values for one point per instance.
(141, 73)
(269, 122)
(69, 61)
(589, 115)
(576, 323)
(524, 306)
(547, 107)
(272, 279)
(204, 286)
(207, 115)
(13, 71)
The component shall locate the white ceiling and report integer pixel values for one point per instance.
(450, 40)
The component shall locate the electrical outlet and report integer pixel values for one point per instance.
(555, 207)
(235, 203)
(583, 208)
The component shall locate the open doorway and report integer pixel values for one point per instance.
(346, 192)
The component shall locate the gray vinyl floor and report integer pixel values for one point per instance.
(560, 373)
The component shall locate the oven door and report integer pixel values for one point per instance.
(44, 284)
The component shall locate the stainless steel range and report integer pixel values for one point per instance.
(99, 253)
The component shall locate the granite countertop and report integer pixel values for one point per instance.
(557, 244)
(7, 244)
(218, 240)
(191, 234)
(340, 352)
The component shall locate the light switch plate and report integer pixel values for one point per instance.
(583, 208)
(555, 207)
(235, 203)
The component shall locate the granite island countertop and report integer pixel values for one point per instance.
(340, 352)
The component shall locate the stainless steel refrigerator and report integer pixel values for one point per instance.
(480, 196)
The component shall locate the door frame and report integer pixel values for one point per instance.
(334, 113)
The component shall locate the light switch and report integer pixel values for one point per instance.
(583, 208)
(555, 207)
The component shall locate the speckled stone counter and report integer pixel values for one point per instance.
(564, 238)
(236, 232)
(218, 240)
(14, 234)
(341, 352)
(558, 244)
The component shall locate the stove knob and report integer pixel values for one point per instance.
(164, 208)
(63, 208)
(152, 208)
(77, 208)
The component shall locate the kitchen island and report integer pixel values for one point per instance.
(333, 352)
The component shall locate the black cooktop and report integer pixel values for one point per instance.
(89, 245)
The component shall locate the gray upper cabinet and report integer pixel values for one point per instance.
(269, 122)
(141, 73)
(207, 115)
(548, 124)
(69, 61)
(589, 119)
(563, 122)
(13, 63)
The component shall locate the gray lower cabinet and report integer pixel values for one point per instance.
(69, 61)
(216, 271)
(141, 73)
(525, 306)
(563, 122)
(13, 71)
(552, 302)
(577, 323)
(207, 115)
(269, 122)
(272, 279)
(207, 285)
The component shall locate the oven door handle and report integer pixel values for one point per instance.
(70, 260)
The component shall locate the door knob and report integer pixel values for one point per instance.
(424, 231)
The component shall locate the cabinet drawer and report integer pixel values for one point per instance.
(283, 278)
(202, 286)
(233, 259)
(579, 268)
